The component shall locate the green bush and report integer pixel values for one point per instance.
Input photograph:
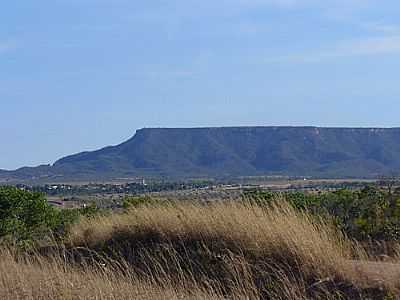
(138, 201)
(24, 215)
(67, 217)
(369, 213)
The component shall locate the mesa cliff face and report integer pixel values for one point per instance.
(237, 151)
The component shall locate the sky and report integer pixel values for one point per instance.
(78, 75)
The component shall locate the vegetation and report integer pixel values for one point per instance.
(371, 213)
(50, 278)
(26, 217)
(126, 188)
(138, 201)
(270, 246)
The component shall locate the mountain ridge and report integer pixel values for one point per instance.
(235, 151)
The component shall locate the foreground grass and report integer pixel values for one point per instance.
(50, 278)
(224, 250)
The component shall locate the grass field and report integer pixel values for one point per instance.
(196, 251)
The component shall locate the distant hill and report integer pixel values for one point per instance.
(235, 151)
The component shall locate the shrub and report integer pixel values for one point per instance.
(25, 214)
(369, 213)
(138, 201)
(26, 217)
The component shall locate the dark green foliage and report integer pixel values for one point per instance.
(137, 201)
(67, 217)
(26, 217)
(90, 211)
(24, 214)
(364, 214)
(109, 188)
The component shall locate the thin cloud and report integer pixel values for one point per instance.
(390, 29)
(285, 3)
(373, 46)
(293, 3)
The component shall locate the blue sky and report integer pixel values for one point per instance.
(81, 74)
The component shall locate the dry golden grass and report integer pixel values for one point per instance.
(39, 278)
(188, 250)
(236, 247)
(280, 232)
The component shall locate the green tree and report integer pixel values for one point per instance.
(24, 214)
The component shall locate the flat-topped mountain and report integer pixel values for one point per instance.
(237, 151)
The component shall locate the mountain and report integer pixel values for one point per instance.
(235, 151)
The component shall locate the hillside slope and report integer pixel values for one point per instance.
(234, 151)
